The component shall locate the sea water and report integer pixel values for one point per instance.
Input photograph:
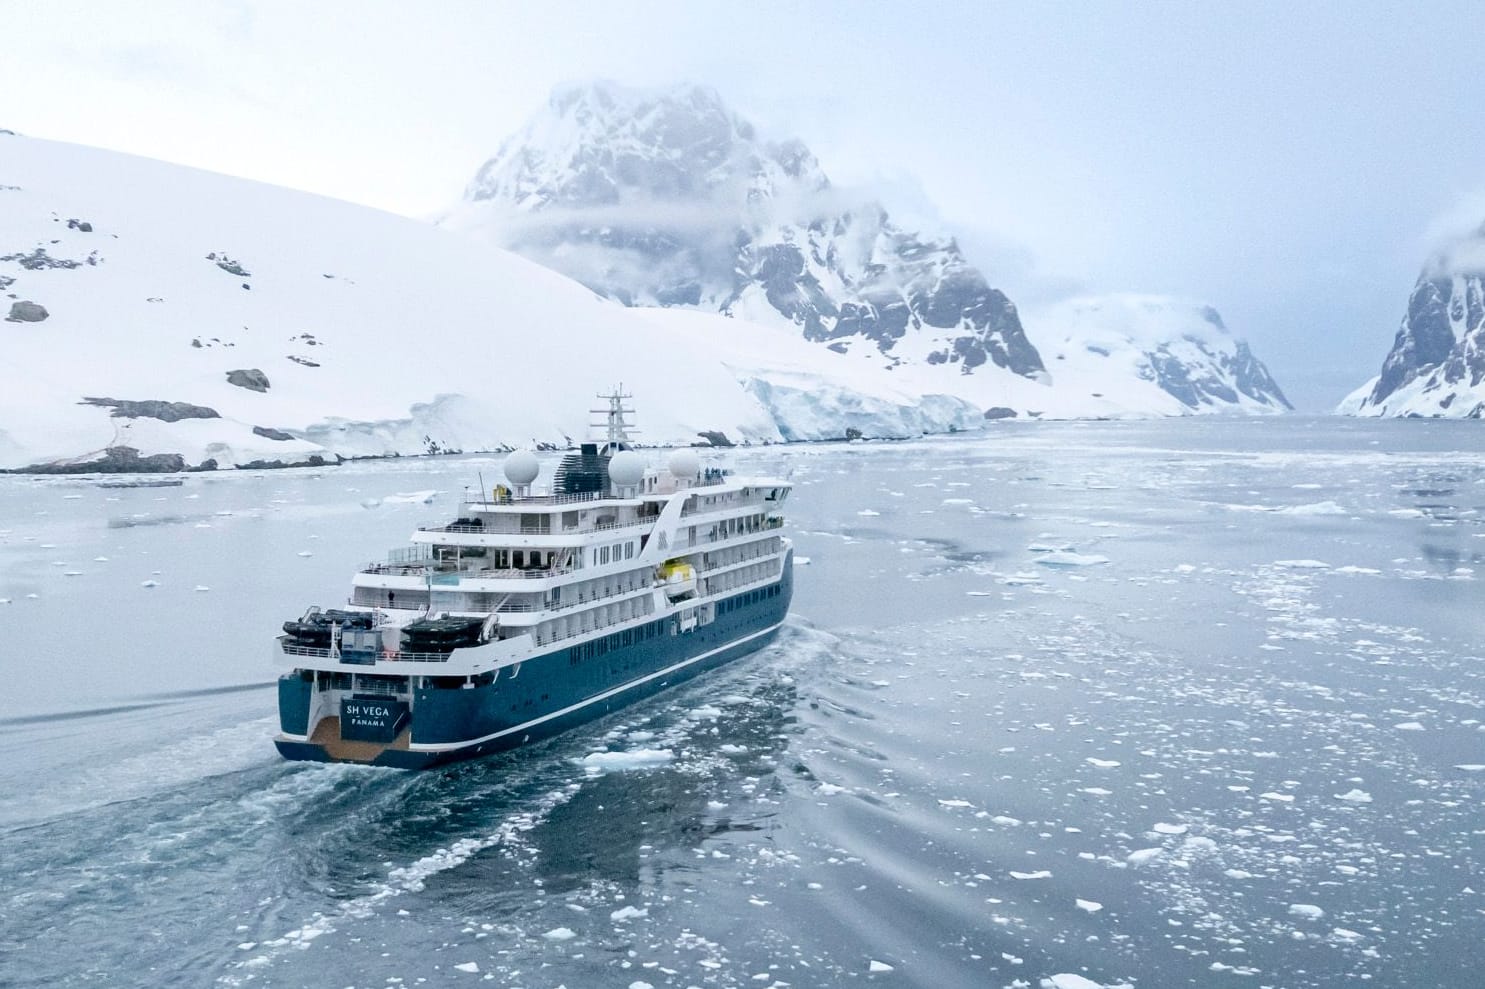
(1176, 703)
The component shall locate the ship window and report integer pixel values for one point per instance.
(629, 551)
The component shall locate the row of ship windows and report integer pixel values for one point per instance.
(598, 647)
(626, 549)
(743, 600)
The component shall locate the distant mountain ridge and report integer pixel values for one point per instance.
(667, 198)
(1436, 368)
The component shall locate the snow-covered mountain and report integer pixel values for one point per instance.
(1169, 356)
(668, 198)
(1436, 368)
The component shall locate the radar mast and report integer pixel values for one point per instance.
(616, 429)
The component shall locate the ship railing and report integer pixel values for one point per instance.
(546, 499)
(535, 530)
(386, 655)
(396, 569)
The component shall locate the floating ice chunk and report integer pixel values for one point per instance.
(1050, 548)
(1020, 579)
(877, 966)
(1039, 874)
(1342, 934)
(1319, 508)
(1144, 855)
(72, 573)
(1302, 564)
(955, 803)
(868, 513)
(1409, 726)
(1287, 798)
(1096, 791)
(629, 913)
(305, 552)
(958, 501)
(559, 934)
(201, 588)
(150, 583)
(1089, 905)
(617, 762)
(1163, 828)
(1351, 568)
(1406, 513)
(1306, 910)
(801, 561)
(1471, 767)
(100, 559)
(410, 498)
(1067, 980)
(1061, 559)
(1102, 763)
(706, 712)
(468, 966)
(1355, 796)
(829, 789)
(1237, 874)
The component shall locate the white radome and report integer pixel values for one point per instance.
(625, 468)
(684, 464)
(521, 467)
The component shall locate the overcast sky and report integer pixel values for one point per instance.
(1289, 163)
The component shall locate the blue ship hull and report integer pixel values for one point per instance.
(560, 689)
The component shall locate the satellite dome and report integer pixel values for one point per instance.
(521, 467)
(625, 468)
(684, 464)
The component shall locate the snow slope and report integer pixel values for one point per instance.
(375, 334)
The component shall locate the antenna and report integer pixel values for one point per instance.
(617, 430)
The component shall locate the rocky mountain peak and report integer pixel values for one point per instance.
(669, 198)
(1436, 367)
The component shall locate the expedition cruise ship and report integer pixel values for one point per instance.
(530, 613)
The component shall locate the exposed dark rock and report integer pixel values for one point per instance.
(153, 409)
(271, 434)
(115, 460)
(1000, 412)
(6, 282)
(250, 378)
(26, 312)
(303, 360)
(81, 225)
(39, 260)
(228, 265)
(313, 460)
(714, 437)
(210, 463)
